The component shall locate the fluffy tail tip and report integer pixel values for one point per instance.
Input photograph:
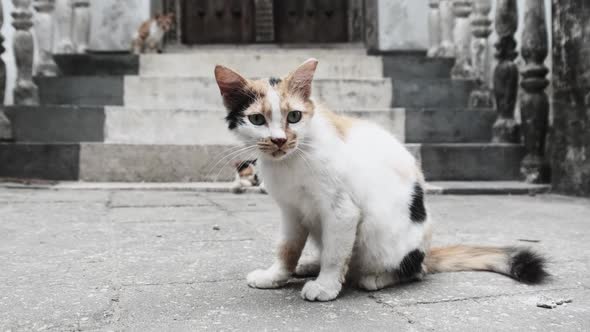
(528, 266)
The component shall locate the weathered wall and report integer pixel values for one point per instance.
(570, 137)
(403, 25)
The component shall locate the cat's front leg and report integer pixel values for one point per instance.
(292, 240)
(339, 224)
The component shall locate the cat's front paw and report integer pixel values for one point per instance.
(266, 279)
(317, 291)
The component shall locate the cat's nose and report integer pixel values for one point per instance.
(279, 142)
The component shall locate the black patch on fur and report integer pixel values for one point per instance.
(411, 266)
(274, 81)
(417, 209)
(528, 266)
(245, 164)
(236, 103)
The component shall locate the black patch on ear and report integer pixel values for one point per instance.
(528, 266)
(236, 104)
(411, 266)
(274, 81)
(417, 208)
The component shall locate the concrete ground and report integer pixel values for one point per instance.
(174, 260)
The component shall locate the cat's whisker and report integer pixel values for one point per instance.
(227, 163)
(230, 156)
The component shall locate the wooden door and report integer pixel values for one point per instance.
(311, 21)
(218, 21)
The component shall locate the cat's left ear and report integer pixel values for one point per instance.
(300, 79)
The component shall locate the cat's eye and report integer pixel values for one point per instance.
(257, 119)
(294, 116)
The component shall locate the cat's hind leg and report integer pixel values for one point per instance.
(373, 282)
(308, 267)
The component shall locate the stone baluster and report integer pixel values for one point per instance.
(25, 92)
(534, 103)
(44, 33)
(462, 35)
(447, 22)
(481, 27)
(81, 25)
(434, 25)
(505, 128)
(63, 19)
(5, 126)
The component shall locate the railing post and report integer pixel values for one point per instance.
(5, 126)
(81, 25)
(534, 103)
(481, 27)
(447, 22)
(434, 25)
(44, 33)
(63, 19)
(25, 92)
(462, 33)
(506, 74)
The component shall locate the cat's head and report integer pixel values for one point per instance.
(165, 22)
(274, 114)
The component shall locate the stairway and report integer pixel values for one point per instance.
(159, 118)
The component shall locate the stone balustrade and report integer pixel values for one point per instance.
(450, 37)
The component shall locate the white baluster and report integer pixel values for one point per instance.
(447, 22)
(63, 19)
(44, 34)
(25, 92)
(434, 24)
(81, 25)
(462, 34)
(5, 126)
(481, 27)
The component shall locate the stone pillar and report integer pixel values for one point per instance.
(25, 92)
(5, 126)
(44, 33)
(570, 134)
(506, 73)
(462, 35)
(434, 25)
(81, 25)
(447, 24)
(481, 27)
(63, 19)
(534, 103)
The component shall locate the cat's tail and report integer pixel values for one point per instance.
(521, 264)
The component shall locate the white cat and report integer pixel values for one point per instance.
(350, 187)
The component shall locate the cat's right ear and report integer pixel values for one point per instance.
(232, 86)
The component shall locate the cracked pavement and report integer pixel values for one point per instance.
(177, 260)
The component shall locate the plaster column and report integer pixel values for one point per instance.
(25, 92)
(462, 34)
(5, 126)
(44, 35)
(63, 20)
(481, 27)
(81, 25)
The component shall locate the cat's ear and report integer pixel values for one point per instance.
(300, 79)
(233, 86)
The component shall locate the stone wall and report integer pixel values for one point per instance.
(570, 137)
(115, 21)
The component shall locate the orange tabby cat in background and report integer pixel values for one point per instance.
(150, 35)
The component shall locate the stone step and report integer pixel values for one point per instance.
(432, 188)
(113, 124)
(97, 64)
(81, 90)
(418, 93)
(181, 163)
(188, 92)
(260, 64)
(410, 65)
